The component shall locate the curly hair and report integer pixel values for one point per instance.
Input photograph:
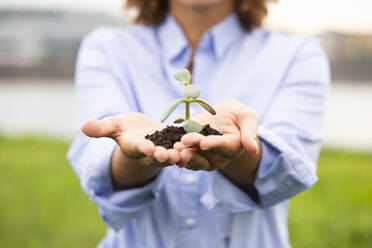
(153, 12)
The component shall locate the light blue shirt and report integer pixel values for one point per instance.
(283, 78)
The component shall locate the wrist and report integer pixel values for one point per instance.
(243, 170)
(129, 173)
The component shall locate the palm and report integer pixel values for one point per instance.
(132, 129)
(235, 121)
(129, 131)
(224, 121)
(134, 125)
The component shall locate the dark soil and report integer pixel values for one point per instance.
(171, 134)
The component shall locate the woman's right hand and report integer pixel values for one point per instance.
(129, 131)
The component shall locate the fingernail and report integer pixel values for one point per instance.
(161, 160)
(203, 148)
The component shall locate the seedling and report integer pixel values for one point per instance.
(191, 92)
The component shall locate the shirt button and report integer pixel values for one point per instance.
(189, 222)
(190, 179)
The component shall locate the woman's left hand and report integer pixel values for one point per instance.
(237, 122)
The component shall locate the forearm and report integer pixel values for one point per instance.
(129, 173)
(242, 171)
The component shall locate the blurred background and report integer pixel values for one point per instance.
(42, 203)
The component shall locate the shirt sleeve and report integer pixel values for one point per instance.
(290, 132)
(100, 93)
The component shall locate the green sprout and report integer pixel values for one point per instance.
(191, 92)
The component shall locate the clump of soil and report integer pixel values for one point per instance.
(171, 134)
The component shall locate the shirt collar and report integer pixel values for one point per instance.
(172, 38)
(222, 35)
(225, 33)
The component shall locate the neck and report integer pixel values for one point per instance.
(195, 21)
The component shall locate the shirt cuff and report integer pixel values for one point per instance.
(283, 172)
(116, 208)
(96, 176)
(119, 207)
(225, 195)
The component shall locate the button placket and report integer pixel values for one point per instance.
(188, 200)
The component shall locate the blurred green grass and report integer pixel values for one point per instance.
(41, 200)
(42, 204)
(337, 211)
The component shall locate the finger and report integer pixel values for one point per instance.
(181, 165)
(187, 154)
(227, 144)
(192, 139)
(173, 156)
(151, 161)
(107, 127)
(134, 147)
(146, 147)
(250, 144)
(178, 146)
(248, 124)
(147, 161)
(160, 154)
(215, 159)
(198, 162)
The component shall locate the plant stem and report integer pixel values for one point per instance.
(187, 117)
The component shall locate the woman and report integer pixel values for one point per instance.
(236, 189)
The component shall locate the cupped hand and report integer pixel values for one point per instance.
(236, 121)
(129, 131)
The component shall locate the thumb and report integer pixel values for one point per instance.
(107, 127)
(248, 124)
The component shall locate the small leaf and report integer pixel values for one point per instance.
(192, 126)
(205, 105)
(192, 91)
(179, 120)
(170, 109)
(183, 76)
